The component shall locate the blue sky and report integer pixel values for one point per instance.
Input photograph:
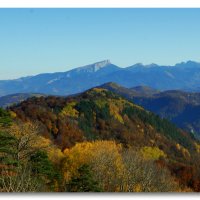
(33, 41)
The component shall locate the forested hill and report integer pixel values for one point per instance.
(99, 114)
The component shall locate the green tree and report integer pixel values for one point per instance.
(5, 118)
(7, 148)
(15, 176)
(44, 169)
(84, 182)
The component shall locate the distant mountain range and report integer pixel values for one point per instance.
(182, 76)
(181, 108)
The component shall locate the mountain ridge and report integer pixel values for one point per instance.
(180, 107)
(183, 76)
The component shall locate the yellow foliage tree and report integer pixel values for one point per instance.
(197, 146)
(29, 141)
(69, 110)
(185, 151)
(13, 114)
(115, 112)
(142, 175)
(152, 153)
(103, 156)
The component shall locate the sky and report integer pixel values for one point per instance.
(34, 41)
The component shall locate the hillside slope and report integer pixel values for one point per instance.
(99, 114)
(181, 108)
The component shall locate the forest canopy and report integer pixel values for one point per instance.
(96, 141)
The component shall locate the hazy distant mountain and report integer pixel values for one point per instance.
(182, 76)
(9, 100)
(182, 108)
(144, 91)
(60, 83)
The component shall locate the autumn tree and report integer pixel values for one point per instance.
(102, 156)
(20, 159)
(19, 179)
(27, 140)
(142, 175)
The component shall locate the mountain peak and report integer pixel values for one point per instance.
(151, 65)
(101, 64)
(188, 63)
(110, 85)
(140, 66)
(146, 66)
(94, 67)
